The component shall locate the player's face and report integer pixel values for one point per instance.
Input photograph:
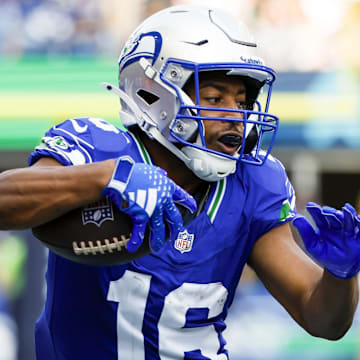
(220, 91)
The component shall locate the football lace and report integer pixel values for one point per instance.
(97, 247)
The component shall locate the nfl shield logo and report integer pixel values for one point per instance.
(98, 212)
(184, 241)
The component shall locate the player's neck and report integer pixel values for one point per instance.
(175, 168)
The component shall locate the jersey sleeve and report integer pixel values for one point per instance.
(80, 141)
(274, 201)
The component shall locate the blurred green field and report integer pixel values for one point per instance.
(37, 93)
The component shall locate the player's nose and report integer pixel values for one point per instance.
(233, 104)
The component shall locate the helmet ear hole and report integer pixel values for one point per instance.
(251, 140)
(147, 96)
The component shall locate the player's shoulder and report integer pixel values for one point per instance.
(82, 140)
(92, 132)
(270, 176)
(92, 129)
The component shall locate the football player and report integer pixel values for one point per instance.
(195, 101)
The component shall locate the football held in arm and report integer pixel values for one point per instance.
(152, 226)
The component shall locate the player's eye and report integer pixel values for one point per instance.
(213, 100)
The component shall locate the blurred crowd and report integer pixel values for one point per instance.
(293, 36)
(297, 35)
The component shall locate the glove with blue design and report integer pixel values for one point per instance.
(335, 244)
(147, 194)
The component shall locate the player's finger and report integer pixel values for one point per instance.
(333, 216)
(183, 198)
(349, 221)
(354, 213)
(174, 219)
(334, 220)
(137, 237)
(351, 209)
(316, 213)
(306, 231)
(157, 230)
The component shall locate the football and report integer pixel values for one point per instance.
(96, 234)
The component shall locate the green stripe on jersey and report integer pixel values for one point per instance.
(216, 200)
(285, 210)
(142, 150)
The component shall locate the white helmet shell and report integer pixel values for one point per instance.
(161, 55)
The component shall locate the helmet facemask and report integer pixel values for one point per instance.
(259, 127)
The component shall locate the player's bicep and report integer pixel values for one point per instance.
(286, 271)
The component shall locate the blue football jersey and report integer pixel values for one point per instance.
(169, 305)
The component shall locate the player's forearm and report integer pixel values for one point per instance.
(35, 195)
(330, 308)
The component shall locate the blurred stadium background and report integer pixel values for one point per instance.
(55, 53)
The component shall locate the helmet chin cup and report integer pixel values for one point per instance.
(207, 166)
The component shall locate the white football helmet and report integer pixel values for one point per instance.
(173, 46)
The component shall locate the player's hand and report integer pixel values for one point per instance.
(146, 193)
(335, 244)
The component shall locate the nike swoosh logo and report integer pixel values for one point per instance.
(78, 128)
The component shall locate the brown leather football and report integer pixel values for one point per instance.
(96, 234)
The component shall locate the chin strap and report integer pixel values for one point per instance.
(204, 165)
(144, 121)
(140, 117)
